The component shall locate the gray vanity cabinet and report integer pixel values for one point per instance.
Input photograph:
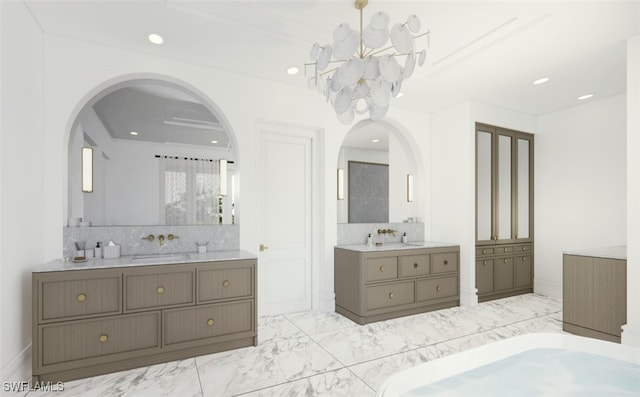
(379, 285)
(504, 212)
(95, 321)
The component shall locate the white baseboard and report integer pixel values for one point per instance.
(550, 288)
(630, 335)
(327, 303)
(18, 369)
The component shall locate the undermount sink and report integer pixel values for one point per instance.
(160, 258)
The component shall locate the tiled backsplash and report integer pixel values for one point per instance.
(356, 233)
(130, 238)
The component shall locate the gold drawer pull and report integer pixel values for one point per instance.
(382, 268)
(160, 290)
(446, 262)
(484, 263)
(437, 288)
(391, 295)
(415, 265)
(226, 283)
(505, 260)
(524, 258)
(82, 297)
(524, 248)
(484, 251)
(210, 322)
(505, 250)
(103, 338)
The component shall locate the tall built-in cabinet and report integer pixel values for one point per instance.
(504, 212)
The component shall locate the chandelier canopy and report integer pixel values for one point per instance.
(366, 71)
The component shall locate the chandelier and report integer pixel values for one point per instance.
(365, 70)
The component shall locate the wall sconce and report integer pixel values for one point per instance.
(87, 170)
(409, 188)
(340, 184)
(223, 177)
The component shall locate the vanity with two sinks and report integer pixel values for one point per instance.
(106, 315)
(379, 282)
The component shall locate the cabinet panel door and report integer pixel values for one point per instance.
(503, 274)
(484, 276)
(63, 342)
(209, 321)
(523, 269)
(389, 295)
(484, 183)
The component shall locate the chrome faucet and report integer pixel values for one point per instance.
(385, 231)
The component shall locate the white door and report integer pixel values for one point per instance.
(285, 229)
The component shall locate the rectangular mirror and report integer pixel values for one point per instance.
(368, 192)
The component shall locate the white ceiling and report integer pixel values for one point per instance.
(489, 51)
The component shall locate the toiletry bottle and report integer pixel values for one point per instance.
(404, 237)
(98, 250)
(369, 240)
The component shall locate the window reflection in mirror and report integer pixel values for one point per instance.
(156, 150)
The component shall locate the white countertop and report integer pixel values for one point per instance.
(395, 246)
(619, 252)
(144, 260)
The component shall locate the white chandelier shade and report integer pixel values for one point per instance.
(365, 70)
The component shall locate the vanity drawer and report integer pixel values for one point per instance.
(86, 295)
(524, 248)
(210, 321)
(84, 339)
(436, 288)
(216, 283)
(444, 262)
(480, 251)
(414, 265)
(504, 249)
(389, 295)
(154, 288)
(381, 268)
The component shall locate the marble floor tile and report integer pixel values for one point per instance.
(176, 378)
(340, 383)
(315, 322)
(243, 370)
(548, 323)
(374, 372)
(273, 328)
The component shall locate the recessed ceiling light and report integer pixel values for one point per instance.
(133, 133)
(214, 141)
(375, 140)
(156, 38)
(583, 97)
(293, 70)
(541, 80)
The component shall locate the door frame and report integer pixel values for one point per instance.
(317, 202)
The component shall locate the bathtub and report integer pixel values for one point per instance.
(529, 365)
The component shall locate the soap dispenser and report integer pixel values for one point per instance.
(370, 240)
(404, 237)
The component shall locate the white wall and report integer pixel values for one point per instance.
(22, 176)
(631, 331)
(580, 185)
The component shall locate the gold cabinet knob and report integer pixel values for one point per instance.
(446, 262)
(391, 295)
(82, 297)
(505, 260)
(524, 259)
(382, 268)
(160, 290)
(210, 322)
(103, 338)
(226, 283)
(505, 249)
(415, 265)
(437, 288)
(484, 251)
(484, 263)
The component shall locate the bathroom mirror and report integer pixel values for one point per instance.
(378, 156)
(156, 159)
